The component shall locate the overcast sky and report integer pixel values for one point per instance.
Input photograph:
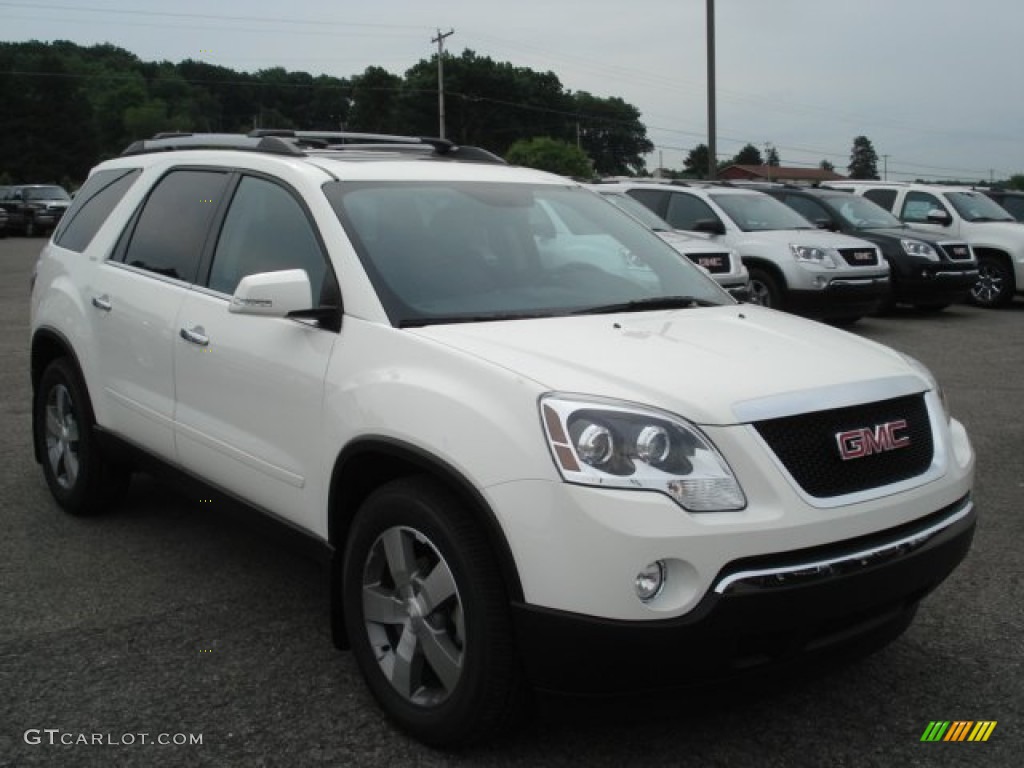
(935, 84)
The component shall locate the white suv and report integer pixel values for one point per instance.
(793, 265)
(529, 467)
(969, 214)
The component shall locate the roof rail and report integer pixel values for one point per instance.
(285, 141)
(169, 142)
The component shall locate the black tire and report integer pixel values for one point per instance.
(80, 478)
(765, 289)
(463, 682)
(995, 286)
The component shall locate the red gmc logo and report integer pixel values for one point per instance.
(857, 443)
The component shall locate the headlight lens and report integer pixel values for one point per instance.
(919, 248)
(614, 444)
(812, 254)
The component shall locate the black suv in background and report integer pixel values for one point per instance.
(1011, 200)
(928, 271)
(34, 209)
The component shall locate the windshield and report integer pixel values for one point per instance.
(974, 206)
(45, 193)
(861, 213)
(757, 212)
(638, 210)
(446, 252)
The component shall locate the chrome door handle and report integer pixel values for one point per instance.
(195, 336)
(102, 302)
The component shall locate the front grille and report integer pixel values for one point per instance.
(808, 445)
(957, 251)
(860, 257)
(714, 263)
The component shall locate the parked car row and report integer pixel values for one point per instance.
(33, 209)
(831, 254)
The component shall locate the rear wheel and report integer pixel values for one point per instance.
(427, 616)
(995, 284)
(80, 478)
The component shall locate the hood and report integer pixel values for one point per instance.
(701, 364)
(685, 244)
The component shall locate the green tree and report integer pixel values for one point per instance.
(551, 155)
(1016, 181)
(772, 158)
(863, 159)
(825, 165)
(375, 99)
(749, 155)
(611, 133)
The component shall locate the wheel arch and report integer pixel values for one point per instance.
(368, 463)
(48, 345)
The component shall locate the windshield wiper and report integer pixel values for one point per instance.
(419, 322)
(642, 305)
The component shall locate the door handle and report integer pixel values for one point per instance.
(102, 302)
(195, 336)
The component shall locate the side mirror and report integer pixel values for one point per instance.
(826, 224)
(275, 294)
(710, 226)
(939, 216)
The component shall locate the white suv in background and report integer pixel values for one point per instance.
(961, 212)
(574, 464)
(793, 265)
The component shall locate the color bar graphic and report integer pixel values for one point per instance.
(958, 730)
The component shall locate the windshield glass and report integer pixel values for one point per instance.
(446, 252)
(637, 210)
(45, 193)
(861, 213)
(757, 212)
(974, 206)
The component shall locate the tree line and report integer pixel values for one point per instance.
(64, 107)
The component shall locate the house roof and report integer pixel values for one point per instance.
(778, 173)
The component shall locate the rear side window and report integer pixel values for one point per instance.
(92, 205)
(172, 227)
(684, 211)
(882, 197)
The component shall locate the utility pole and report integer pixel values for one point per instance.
(768, 158)
(440, 75)
(885, 167)
(712, 146)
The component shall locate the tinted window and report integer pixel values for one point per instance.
(654, 199)
(684, 211)
(93, 203)
(811, 210)
(1014, 205)
(974, 206)
(169, 235)
(916, 206)
(882, 197)
(265, 230)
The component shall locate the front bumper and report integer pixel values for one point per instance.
(934, 283)
(843, 297)
(762, 613)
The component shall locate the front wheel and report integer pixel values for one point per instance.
(427, 616)
(80, 478)
(765, 289)
(995, 284)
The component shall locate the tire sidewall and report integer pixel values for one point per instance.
(771, 287)
(389, 507)
(1006, 294)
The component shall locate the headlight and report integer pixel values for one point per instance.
(812, 254)
(919, 248)
(614, 444)
(921, 368)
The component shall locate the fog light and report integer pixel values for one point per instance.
(650, 581)
(820, 282)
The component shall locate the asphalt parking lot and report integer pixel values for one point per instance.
(170, 619)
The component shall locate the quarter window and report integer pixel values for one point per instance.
(266, 230)
(93, 204)
(882, 197)
(171, 230)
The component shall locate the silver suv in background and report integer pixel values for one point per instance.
(793, 265)
(723, 264)
(959, 212)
